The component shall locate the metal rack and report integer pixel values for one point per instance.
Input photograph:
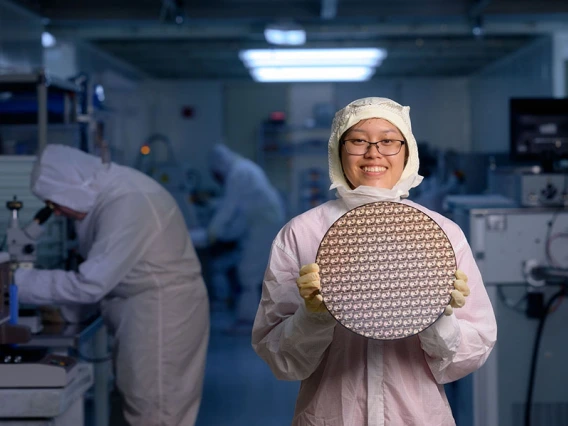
(36, 108)
(40, 100)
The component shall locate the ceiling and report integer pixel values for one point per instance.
(201, 38)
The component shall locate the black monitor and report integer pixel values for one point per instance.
(539, 130)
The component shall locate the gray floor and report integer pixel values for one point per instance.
(239, 388)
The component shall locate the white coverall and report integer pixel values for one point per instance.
(251, 212)
(140, 264)
(347, 379)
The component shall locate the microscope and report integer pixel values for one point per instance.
(22, 367)
(22, 251)
(25, 367)
(22, 242)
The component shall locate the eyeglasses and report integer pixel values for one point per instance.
(361, 146)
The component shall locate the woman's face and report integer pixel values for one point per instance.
(373, 169)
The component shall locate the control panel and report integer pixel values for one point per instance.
(24, 370)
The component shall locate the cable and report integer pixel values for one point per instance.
(558, 303)
(532, 375)
(548, 232)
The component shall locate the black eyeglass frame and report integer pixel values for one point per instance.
(369, 143)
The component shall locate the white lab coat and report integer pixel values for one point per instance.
(347, 379)
(251, 212)
(140, 264)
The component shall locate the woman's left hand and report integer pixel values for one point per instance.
(459, 293)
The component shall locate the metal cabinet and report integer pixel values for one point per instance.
(35, 109)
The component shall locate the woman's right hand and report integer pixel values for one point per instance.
(309, 287)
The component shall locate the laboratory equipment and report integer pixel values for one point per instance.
(522, 254)
(22, 242)
(313, 188)
(528, 187)
(296, 163)
(157, 159)
(4, 287)
(35, 369)
(62, 405)
(55, 244)
(10, 331)
(537, 176)
(50, 380)
(36, 108)
(22, 248)
(539, 131)
(386, 270)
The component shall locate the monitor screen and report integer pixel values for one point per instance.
(539, 130)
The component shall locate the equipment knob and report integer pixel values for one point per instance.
(14, 204)
(549, 192)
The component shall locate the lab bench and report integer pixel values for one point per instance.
(88, 343)
(47, 406)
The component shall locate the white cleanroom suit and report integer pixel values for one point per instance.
(140, 264)
(250, 212)
(347, 379)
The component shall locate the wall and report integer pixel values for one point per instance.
(191, 137)
(439, 108)
(525, 73)
(20, 39)
(232, 111)
(127, 121)
(245, 106)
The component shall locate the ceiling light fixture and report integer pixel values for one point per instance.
(371, 57)
(477, 27)
(286, 34)
(47, 39)
(311, 74)
(357, 64)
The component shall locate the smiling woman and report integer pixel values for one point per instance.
(376, 164)
(349, 378)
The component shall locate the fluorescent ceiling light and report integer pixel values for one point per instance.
(311, 74)
(370, 57)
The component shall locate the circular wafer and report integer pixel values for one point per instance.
(386, 270)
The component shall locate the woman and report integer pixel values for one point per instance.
(348, 380)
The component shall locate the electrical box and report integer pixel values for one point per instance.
(504, 242)
(530, 189)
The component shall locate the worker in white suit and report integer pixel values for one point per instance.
(142, 268)
(251, 213)
(347, 379)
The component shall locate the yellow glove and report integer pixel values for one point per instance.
(309, 287)
(460, 292)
